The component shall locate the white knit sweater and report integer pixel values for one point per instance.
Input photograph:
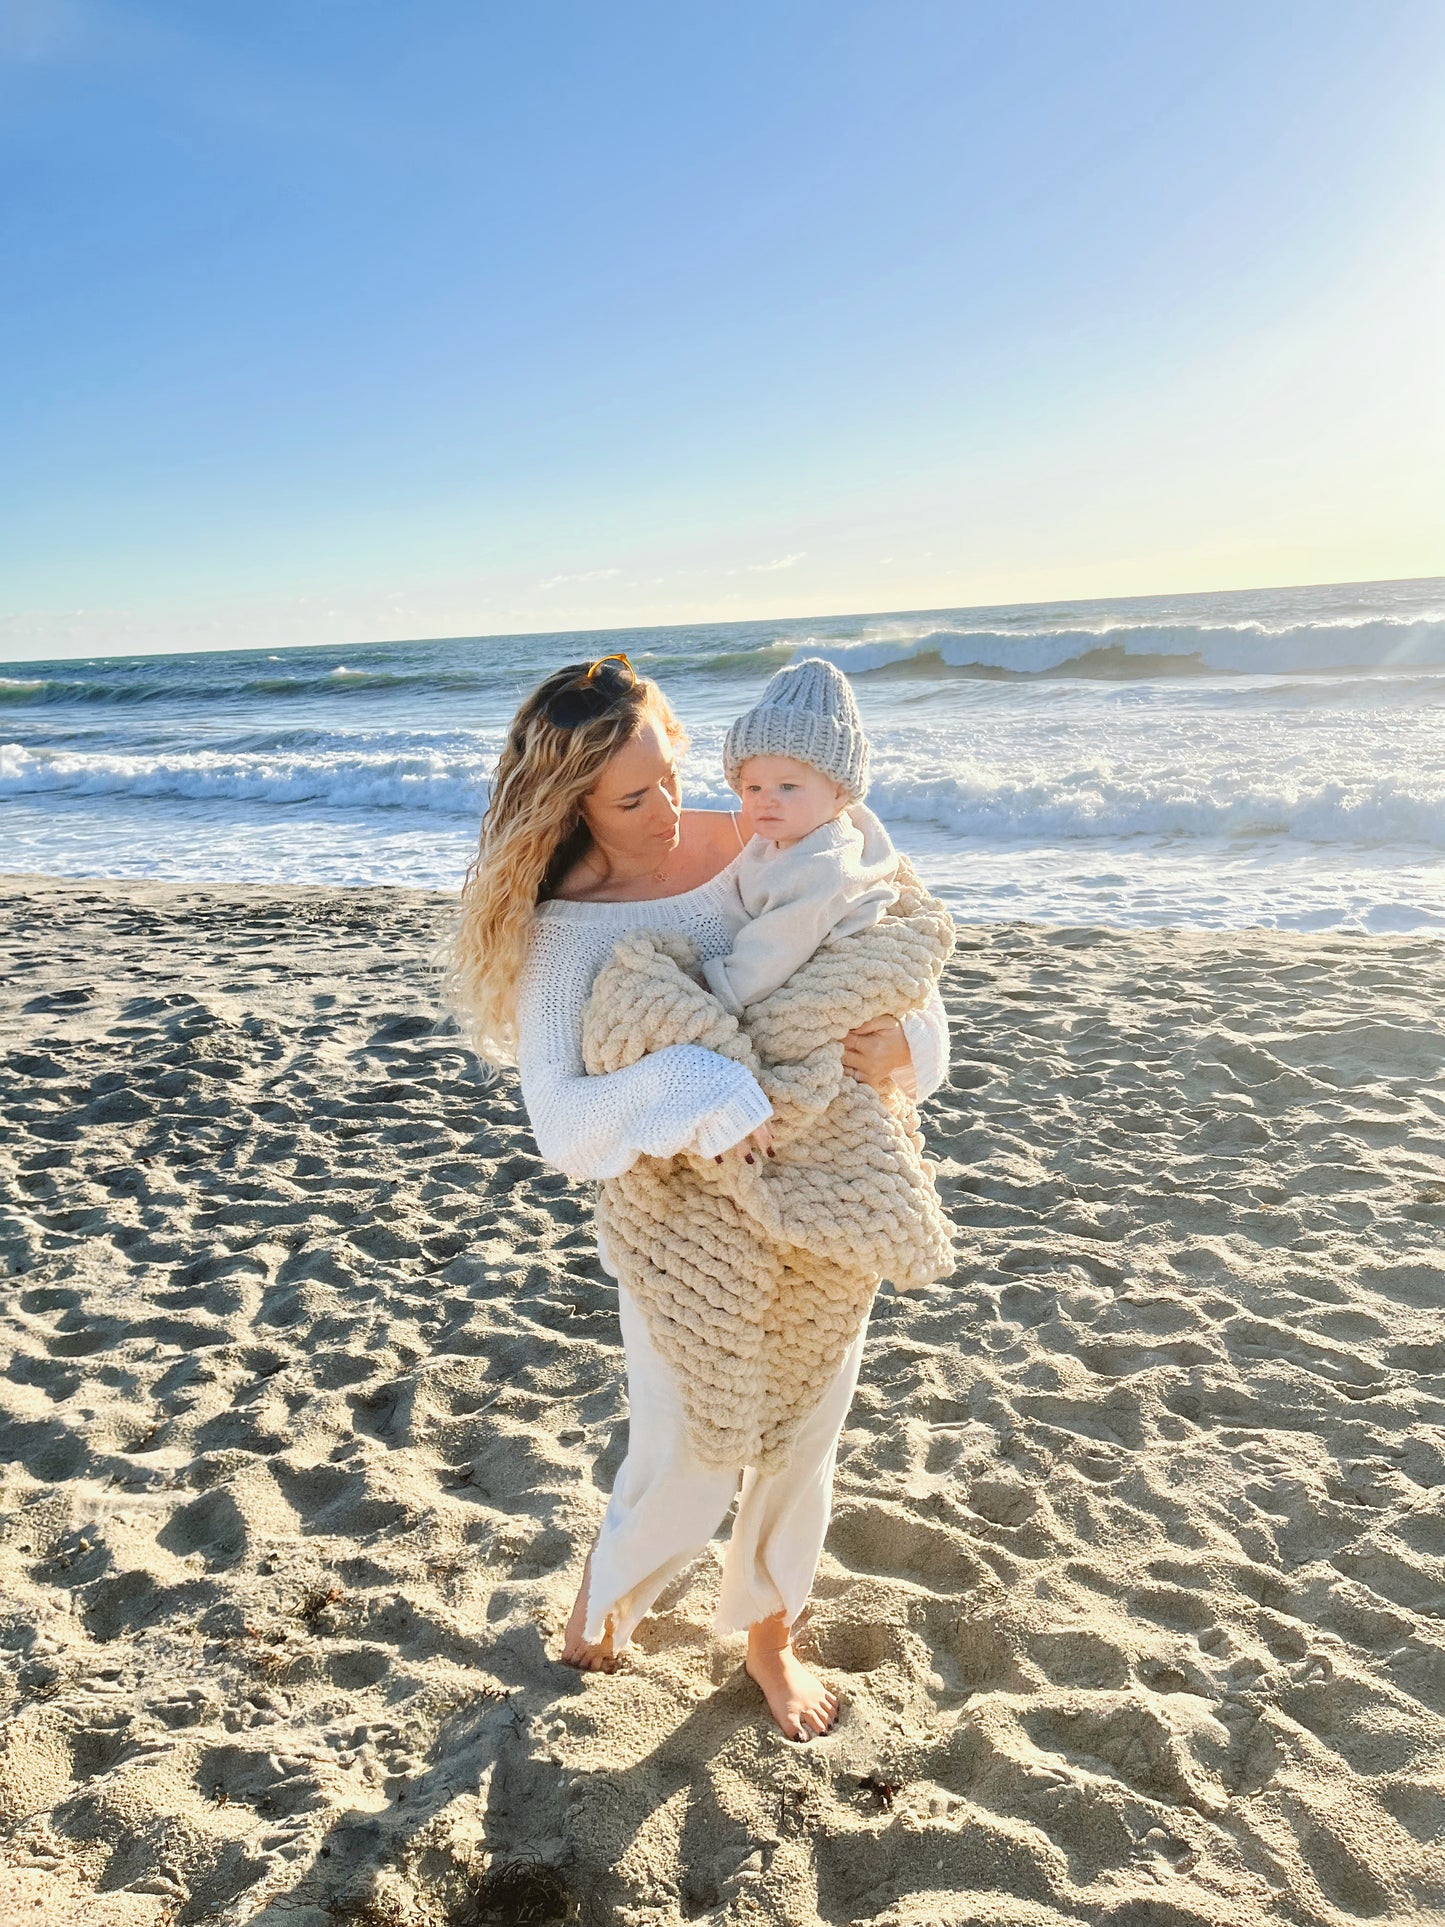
(681, 1098)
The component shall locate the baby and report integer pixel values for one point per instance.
(819, 863)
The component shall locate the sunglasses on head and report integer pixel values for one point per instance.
(594, 691)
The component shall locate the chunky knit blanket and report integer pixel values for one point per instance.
(755, 1279)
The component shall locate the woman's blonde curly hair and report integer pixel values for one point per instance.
(532, 833)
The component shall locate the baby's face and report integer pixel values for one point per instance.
(783, 800)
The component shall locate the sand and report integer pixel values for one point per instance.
(311, 1396)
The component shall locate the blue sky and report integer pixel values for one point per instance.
(334, 320)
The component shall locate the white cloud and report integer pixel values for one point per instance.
(587, 575)
(783, 562)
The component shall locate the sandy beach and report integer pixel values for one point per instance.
(311, 1397)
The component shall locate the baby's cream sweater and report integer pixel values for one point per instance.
(831, 883)
(681, 1098)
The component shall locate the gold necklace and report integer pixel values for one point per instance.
(657, 876)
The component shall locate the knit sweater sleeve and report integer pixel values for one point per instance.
(926, 1032)
(682, 1098)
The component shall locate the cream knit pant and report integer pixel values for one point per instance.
(665, 1505)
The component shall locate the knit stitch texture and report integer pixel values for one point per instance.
(808, 712)
(755, 1279)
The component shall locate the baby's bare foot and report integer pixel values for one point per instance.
(797, 1699)
(589, 1656)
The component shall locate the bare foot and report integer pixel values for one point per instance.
(797, 1699)
(588, 1656)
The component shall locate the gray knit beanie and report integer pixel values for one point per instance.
(808, 712)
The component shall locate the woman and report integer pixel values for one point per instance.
(584, 838)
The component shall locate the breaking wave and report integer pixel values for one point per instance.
(1126, 654)
(1070, 798)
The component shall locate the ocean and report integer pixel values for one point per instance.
(1264, 757)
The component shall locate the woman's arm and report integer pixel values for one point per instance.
(912, 1051)
(682, 1098)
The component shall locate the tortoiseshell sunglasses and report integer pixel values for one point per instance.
(594, 692)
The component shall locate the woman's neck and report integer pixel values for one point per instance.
(610, 871)
(706, 844)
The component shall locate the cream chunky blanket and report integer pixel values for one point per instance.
(755, 1279)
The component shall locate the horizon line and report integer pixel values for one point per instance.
(733, 622)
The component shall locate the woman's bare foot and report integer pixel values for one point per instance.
(587, 1655)
(797, 1699)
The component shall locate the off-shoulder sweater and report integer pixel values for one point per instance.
(681, 1098)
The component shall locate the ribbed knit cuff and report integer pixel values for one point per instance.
(730, 1123)
(930, 1062)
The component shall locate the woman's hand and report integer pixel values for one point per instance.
(759, 1140)
(874, 1051)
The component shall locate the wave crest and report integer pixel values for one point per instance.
(341, 779)
(138, 689)
(1150, 650)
